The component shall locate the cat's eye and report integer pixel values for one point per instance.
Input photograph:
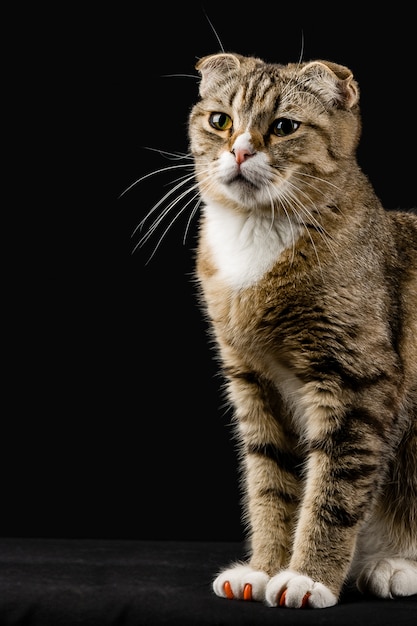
(220, 121)
(284, 126)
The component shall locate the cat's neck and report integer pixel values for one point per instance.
(244, 246)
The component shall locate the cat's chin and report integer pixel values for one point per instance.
(244, 192)
(240, 188)
(241, 182)
(245, 196)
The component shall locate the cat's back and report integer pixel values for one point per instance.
(404, 224)
(404, 267)
(404, 273)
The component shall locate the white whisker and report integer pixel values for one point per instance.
(320, 180)
(300, 217)
(185, 179)
(171, 223)
(167, 209)
(153, 173)
(192, 215)
(180, 76)
(175, 155)
(288, 219)
(310, 215)
(214, 31)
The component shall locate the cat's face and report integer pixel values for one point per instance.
(261, 134)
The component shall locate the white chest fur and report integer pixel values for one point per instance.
(245, 246)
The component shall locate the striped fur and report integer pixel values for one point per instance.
(310, 287)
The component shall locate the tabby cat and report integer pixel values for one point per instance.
(310, 288)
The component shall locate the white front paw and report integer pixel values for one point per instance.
(296, 591)
(241, 582)
(389, 578)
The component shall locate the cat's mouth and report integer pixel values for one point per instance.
(240, 179)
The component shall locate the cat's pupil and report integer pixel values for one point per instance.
(220, 121)
(284, 126)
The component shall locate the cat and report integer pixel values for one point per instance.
(310, 289)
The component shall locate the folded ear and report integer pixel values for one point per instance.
(334, 82)
(213, 68)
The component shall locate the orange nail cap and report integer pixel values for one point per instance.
(228, 590)
(247, 592)
(304, 603)
(282, 598)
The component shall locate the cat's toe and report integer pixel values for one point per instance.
(241, 583)
(296, 591)
(389, 578)
(288, 589)
(402, 585)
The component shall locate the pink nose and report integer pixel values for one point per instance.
(241, 154)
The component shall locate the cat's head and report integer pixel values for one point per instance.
(262, 133)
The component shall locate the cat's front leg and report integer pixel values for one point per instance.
(273, 485)
(341, 483)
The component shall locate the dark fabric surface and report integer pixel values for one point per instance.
(73, 582)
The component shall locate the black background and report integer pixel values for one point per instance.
(113, 417)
